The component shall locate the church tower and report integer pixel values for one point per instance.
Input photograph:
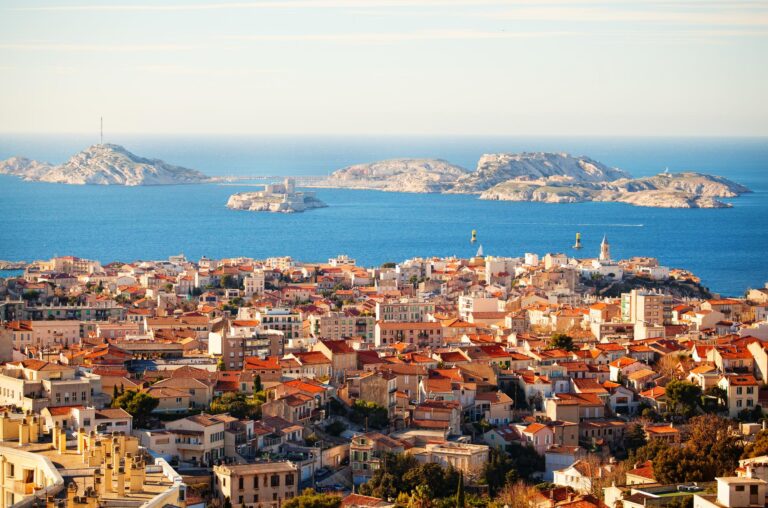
(605, 251)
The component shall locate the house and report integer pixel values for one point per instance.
(741, 392)
(366, 452)
(558, 457)
(439, 415)
(496, 408)
(266, 484)
(341, 354)
(580, 475)
(665, 432)
(198, 438)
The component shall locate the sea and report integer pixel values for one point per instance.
(727, 248)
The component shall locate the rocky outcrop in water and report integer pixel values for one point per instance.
(665, 190)
(398, 175)
(496, 168)
(541, 177)
(104, 164)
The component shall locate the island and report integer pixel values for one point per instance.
(539, 176)
(276, 197)
(103, 164)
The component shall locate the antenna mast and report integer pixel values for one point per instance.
(101, 136)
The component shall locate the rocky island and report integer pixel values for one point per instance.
(103, 164)
(280, 198)
(540, 176)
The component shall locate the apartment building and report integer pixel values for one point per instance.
(263, 485)
(405, 310)
(35, 384)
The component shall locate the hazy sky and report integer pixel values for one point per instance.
(676, 67)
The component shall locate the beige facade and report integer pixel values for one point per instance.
(464, 457)
(265, 485)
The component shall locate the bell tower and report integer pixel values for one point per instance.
(605, 250)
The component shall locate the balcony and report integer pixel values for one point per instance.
(23, 488)
(191, 446)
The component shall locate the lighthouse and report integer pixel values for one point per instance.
(577, 245)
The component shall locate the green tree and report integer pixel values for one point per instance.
(139, 404)
(683, 396)
(220, 364)
(561, 341)
(711, 449)
(460, 501)
(227, 502)
(311, 499)
(421, 497)
(369, 413)
(115, 393)
(257, 387)
(758, 447)
(634, 438)
(237, 405)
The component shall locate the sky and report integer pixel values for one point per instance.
(375, 67)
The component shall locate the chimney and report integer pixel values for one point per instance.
(136, 480)
(62, 442)
(120, 482)
(107, 478)
(34, 430)
(23, 432)
(80, 441)
(71, 493)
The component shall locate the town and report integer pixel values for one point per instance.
(526, 382)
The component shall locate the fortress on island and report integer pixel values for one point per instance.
(276, 197)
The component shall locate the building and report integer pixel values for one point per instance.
(741, 392)
(406, 310)
(263, 485)
(34, 384)
(467, 458)
(366, 452)
(734, 492)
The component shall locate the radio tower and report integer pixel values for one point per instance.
(101, 135)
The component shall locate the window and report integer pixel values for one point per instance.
(256, 486)
(739, 488)
(289, 479)
(240, 483)
(275, 480)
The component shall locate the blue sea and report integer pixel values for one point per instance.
(727, 248)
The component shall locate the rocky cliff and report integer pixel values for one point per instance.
(679, 190)
(104, 164)
(540, 176)
(398, 175)
(496, 168)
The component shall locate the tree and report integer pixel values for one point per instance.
(757, 448)
(421, 497)
(311, 499)
(683, 397)
(335, 428)
(460, 502)
(237, 405)
(257, 387)
(115, 393)
(139, 404)
(227, 502)
(389, 264)
(220, 364)
(370, 414)
(516, 495)
(634, 438)
(711, 449)
(561, 341)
